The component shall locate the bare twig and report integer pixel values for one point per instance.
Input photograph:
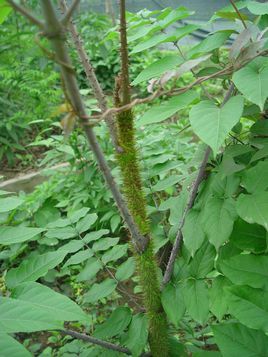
(23, 11)
(96, 341)
(92, 79)
(238, 13)
(69, 13)
(190, 203)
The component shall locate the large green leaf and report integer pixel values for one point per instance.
(195, 293)
(100, 291)
(193, 234)
(247, 269)
(212, 123)
(115, 324)
(92, 267)
(218, 219)
(249, 306)
(23, 316)
(5, 9)
(155, 40)
(203, 261)
(165, 110)
(257, 8)
(104, 244)
(10, 235)
(115, 253)
(57, 306)
(250, 237)
(157, 68)
(235, 340)
(254, 208)
(252, 81)
(34, 267)
(9, 347)
(137, 335)
(173, 303)
(86, 222)
(255, 178)
(217, 299)
(79, 257)
(9, 203)
(126, 270)
(212, 42)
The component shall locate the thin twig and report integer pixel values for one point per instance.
(69, 12)
(238, 13)
(190, 203)
(95, 341)
(23, 11)
(92, 79)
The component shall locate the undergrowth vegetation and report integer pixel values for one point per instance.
(71, 273)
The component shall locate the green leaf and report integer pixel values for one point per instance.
(254, 208)
(137, 335)
(77, 215)
(115, 324)
(211, 43)
(218, 219)
(257, 8)
(250, 237)
(104, 244)
(57, 306)
(203, 261)
(61, 233)
(9, 203)
(5, 9)
(173, 303)
(166, 183)
(18, 234)
(161, 112)
(217, 297)
(212, 124)
(93, 266)
(85, 223)
(34, 268)
(236, 340)
(157, 68)
(249, 306)
(100, 291)
(126, 270)
(89, 237)
(255, 178)
(247, 269)
(260, 128)
(195, 293)
(22, 316)
(193, 234)
(73, 246)
(115, 253)
(9, 346)
(251, 81)
(79, 257)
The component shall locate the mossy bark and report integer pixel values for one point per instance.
(147, 264)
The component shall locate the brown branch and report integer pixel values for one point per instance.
(190, 203)
(69, 12)
(23, 11)
(238, 13)
(96, 341)
(55, 32)
(92, 79)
